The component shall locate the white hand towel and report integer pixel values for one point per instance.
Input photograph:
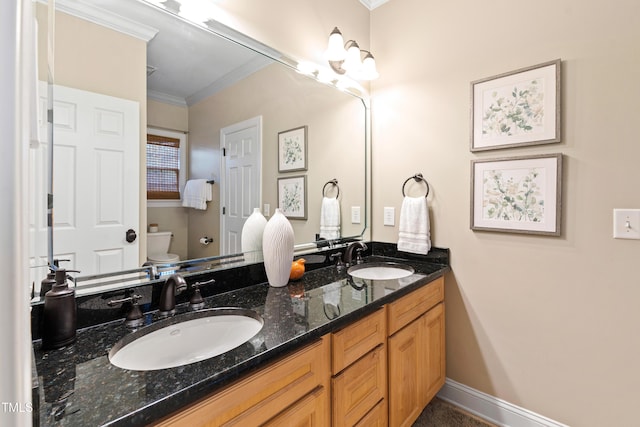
(414, 235)
(330, 218)
(196, 194)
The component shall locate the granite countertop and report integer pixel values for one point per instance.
(79, 387)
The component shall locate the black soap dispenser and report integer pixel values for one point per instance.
(47, 283)
(59, 317)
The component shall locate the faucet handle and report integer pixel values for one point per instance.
(197, 302)
(134, 317)
(339, 263)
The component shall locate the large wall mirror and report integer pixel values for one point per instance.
(126, 68)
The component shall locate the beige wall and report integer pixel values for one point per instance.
(550, 324)
(285, 100)
(174, 219)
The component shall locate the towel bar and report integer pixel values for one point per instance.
(334, 182)
(417, 177)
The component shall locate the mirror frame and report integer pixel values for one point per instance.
(98, 283)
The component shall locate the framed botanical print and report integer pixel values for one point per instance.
(292, 150)
(517, 108)
(517, 194)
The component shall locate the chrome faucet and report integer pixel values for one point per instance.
(174, 285)
(358, 247)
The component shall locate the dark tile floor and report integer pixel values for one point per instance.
(439, 413)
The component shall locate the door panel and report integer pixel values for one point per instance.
(240, 180)
(96, 168)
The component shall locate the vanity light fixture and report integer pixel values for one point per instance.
(345, 58)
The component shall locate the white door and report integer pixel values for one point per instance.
(240, 180)
(38, 190)
(96, 179)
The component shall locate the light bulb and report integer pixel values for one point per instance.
(352, 62)
(369, 71)
(335, 48)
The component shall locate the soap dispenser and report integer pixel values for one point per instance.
(59, 317)
(48, 282)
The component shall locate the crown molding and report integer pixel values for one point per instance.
(372, 4)
(82, 9)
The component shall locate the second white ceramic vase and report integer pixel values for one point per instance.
(251, 239)
(277, 249)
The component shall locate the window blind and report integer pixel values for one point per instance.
(163, 167)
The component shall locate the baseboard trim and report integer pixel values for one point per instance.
(492, 409)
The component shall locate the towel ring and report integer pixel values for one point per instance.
(334, 182)
(417, 177)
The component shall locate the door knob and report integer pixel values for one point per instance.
(131, 235)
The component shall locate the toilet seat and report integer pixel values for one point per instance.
(164, 258)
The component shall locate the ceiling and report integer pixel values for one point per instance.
(185, 63)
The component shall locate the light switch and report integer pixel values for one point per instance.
(355, 214)
(266, 209)
(390, 216)
(626, 224)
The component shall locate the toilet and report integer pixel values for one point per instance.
(157, 247)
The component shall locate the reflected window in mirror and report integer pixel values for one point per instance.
(166, 168)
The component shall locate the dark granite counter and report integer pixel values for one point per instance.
(79, 387)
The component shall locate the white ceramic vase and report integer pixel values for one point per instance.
(277, 249)
(251, 239)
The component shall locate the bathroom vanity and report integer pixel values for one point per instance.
(334, 350)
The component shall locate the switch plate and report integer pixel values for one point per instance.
(626, 224)
(355, 214)
(390, 216)
(266, 209)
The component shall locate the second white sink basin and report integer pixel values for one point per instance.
(380, 271)
(185, 339)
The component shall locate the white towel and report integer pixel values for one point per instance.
(330, 218)
(196, 194)
(415, 233)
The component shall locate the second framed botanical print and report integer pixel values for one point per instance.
(517, 194)
(292, 196)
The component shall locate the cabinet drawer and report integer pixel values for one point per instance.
(412, 306)
(354, 341)
(359, 388)
(377, 417)
(310, 411)
(261, 396)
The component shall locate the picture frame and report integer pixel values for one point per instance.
(292, 150)
(517, 194)
(517, 108)
(292, 196)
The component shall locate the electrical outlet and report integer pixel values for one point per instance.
(266, 209)
(355, 214)
(390, 216)
(626, 224)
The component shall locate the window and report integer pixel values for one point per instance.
(165, 153)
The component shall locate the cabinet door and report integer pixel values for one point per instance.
(406, 360)
(435, 351)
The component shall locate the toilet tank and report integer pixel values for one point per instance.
(158, 243)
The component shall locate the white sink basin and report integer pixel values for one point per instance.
(380, 271)
(185, 339)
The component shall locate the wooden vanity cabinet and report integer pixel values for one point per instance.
(380, 370)
(295, 387)
(416, 349)
(359, 372)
